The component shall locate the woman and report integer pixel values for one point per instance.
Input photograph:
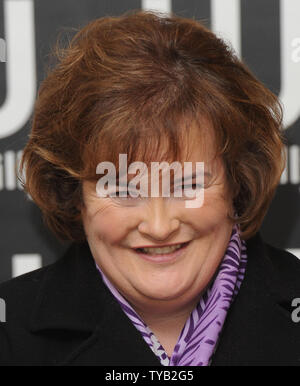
(150, 280)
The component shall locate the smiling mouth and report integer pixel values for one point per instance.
(161, 250)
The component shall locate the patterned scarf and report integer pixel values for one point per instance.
(199, 337)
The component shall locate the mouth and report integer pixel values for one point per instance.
(163, 253)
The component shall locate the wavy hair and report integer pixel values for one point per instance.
(125, 84)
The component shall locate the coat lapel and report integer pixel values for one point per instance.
(115, 342)
(259, 329)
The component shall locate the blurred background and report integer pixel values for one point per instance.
(264, 33)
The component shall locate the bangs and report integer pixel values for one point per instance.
(168, 138)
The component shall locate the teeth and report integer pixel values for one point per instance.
(156, 251)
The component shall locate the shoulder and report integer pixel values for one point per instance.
(286, 269)
(285, 263)
(282, 265)
(51, 312)
(22, 292)
(20, 296)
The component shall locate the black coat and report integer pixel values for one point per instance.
(63, 314)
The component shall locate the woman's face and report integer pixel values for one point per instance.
(116, 227)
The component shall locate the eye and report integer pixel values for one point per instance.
(122, 193)
(180, 191)
(126, 194)
(192, 186)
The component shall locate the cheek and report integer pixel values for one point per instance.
(211, 215)
(110, 225)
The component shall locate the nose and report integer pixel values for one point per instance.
(159, 221)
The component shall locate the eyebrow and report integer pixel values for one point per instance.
(191, 177)
(187, 178)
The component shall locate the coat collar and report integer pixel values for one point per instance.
(72, 297)
(259, 329)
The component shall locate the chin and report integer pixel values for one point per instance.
(164, 292)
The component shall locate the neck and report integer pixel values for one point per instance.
(166, 315)
(167, 325)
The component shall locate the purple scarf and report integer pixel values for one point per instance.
(199, 337)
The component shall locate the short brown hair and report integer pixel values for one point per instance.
(124, 83)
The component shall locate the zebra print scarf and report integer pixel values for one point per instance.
(199, 337)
